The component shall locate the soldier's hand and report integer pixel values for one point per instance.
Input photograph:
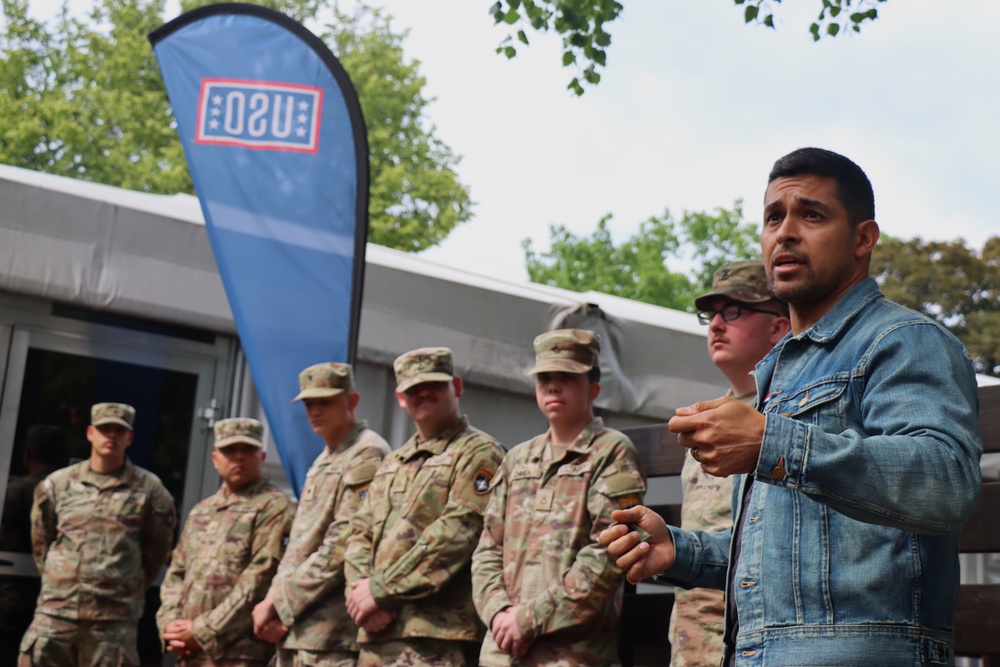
(179, 637)
(263, 613)
(360, 603)
(726, 434)
(379, 621)
(273, 631)
(640, 559)
(507, 635)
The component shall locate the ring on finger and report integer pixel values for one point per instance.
(694, 454)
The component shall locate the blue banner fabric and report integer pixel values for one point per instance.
(276, 145)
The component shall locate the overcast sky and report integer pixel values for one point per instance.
(695, 106)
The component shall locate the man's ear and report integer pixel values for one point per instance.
(779, 327)
(866, 235)
(459, 387)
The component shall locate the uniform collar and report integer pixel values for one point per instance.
(440, 442)
(582, 442)
(223, 499)
(124, 476)
(349, 441)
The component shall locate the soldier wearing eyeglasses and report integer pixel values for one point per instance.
(744, 322)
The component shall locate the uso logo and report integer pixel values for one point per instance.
(263, 115)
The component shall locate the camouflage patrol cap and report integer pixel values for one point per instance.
(112, 413)
(566, 351)
(743, 281)
(427, 364)
(238, 429)
(324, 380)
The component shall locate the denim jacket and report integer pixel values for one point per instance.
(869, 466)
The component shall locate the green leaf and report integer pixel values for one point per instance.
(514, 4)
(575, 86)
(496, 11)
(814, 29)
(511, 17)
(509, 51)
(834, 11)
(568, 58)
(602, 39)
(750, 13)
(739, 2)
(522, 37)
(833, 29)
(769, 20)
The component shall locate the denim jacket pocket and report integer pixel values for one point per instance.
(822, 403)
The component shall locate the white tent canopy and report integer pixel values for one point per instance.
(148, 256)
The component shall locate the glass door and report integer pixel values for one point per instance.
(50, 380)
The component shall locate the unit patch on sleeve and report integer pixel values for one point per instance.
(629, 500)
(482, 480)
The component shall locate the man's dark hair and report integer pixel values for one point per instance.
(853, 187)
(594, 374)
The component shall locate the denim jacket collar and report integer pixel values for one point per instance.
(834, 320)
(825, 330)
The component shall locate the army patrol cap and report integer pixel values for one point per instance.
(566, 351)
(427, 364)
(324, 380)
(744, 281)
(112, 413)
(238, 429)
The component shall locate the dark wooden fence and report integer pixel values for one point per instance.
(977, 618)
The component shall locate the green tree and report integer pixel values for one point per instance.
(84, 98)
(638, 268)
(88, 103)
(950, 282)
(416, 199)
(585, 40)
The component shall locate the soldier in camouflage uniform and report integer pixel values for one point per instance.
(226, 557)
(541, 582)
(409, 556)
(744, 322)
(101, 533)
(305, 609)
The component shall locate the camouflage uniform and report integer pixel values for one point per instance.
(308, 591)
(697, 622)
(415, 532)
(228, 553)
(539, 548)
(99, 541)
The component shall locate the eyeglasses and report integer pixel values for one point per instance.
(730, 313)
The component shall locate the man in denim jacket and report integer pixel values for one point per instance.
(857, 469)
